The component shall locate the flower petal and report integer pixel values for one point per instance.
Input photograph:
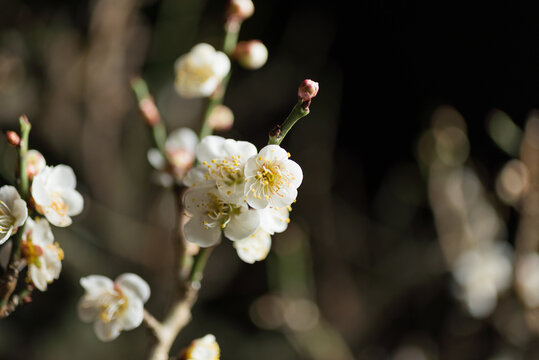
(62, 176)
(197, 233)
(107, 331)
(253, 248)
(242, 225)
(96, 284)
(133, 314)
(135, 284)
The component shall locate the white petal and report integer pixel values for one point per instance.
(87, 309)
(9, 194)
(182, 138)
(234, 148)
(197, 177)
(74, 201)
(211, 147)
(285, 197)
(253, 248)
(255, 202)
(39, 190)
(156, 159)
(221, 64)
(57, 219)
(62, 176)
(19, 211)
(107, 331)
(38, 277)
(296, 174)
(135, 284)
(96, 284)
(41, 231)
(133, 315)
(196, 232)
(242, 225)
(273, 152)
(5, 234)
(274, 220)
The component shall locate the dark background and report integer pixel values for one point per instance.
(383, 68)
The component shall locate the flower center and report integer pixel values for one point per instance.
(32, 253)
(219, 212)
(228, 171)
(112, 304)
(195, 74)
(269, 180)
(58, 204)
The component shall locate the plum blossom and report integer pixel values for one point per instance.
(200, 72)
(251, 54)
(43, 256)
(54, 194)
(113, 306)
(204, 348)
(180, 155)
(222, 163)
(482, 273)
(35, 162)
(13, 211)
(211, 214)
(271, 178)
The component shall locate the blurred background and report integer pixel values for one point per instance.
(405, 157)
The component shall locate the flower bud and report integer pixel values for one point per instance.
(35, 162)
(149, 111)
(239, 10)
(307, 90)
(13, 138)
(221, 118)
(251, 54)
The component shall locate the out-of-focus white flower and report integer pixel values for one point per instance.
(180, 152)
(35, 162)
(53, 190)
(13, 211)
(483, 273)
(271, 178)
(255, 247)
(239, 10)
(527, 280)
(211, 214)
(200, 72)
(221, 118)
(205, 348)
(223, 161)
(251, 54)
(43, 256)
(113, 306)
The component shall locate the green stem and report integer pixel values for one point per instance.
(23, 149)
(159, 132)
(278, 134)
(197, 271)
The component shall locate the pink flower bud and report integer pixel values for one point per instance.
(35, 162)
(13, 138)
(149, 111)
(239, 10)
(307, 90)
(251, 54)
(221, 118)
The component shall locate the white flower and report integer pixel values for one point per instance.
(180, 153)
(483, 273)
(251, 54)
(255, 247)
(113, 306)
(223, 161)
(211, 214)
(43, 256)
(200, 72)
(271, 178)
(205, 348)
(13, 211)
(53, 190)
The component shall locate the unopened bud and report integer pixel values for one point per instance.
(307, 90)
(251, 54)
(239, 10)
(221, 118)
(13, 138)
(149, 111)
(35, 162)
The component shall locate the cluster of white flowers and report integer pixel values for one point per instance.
(483, 273)
(54, 196)
(241, 192)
